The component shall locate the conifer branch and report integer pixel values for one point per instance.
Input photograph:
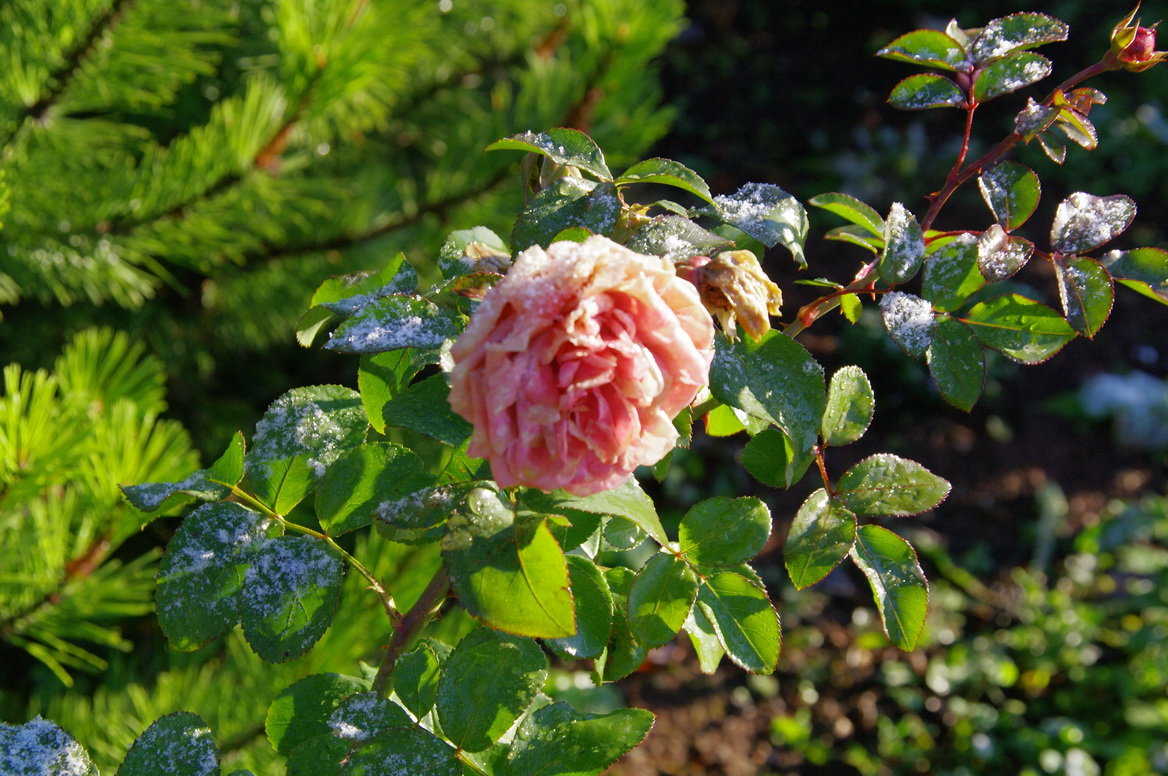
(59, 79)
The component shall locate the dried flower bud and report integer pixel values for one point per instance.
(733, 287)
(1132, 46)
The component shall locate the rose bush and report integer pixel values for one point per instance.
(575, 364)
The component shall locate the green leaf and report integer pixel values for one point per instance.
(770, 457)
(856, 235)
(852, 209)
(509, 573)
(281, 484)
(744, 619)
(289, 596)
(562, 145)
(567, 203)
(415, 678)
(768, 214)
(361, 479)
(1021, 328)
(301, 711)
(627, 500)
(453, 260)
(1084, 222)
(593, 611)
(340, 297)
(409, 750)
(885, 484)
(1009, 74)
(1015, 32)
(1011, 191)
(1000, 255)
(704, 638)
(202, 573)
(951, 274)
(909, 321)
(424, 407)
(624, 654)
(724, 531)
(675, 238)
(851, 307)
(904, 247)
(41, 748)
(320, 422)
(320, 756)
(926, 90)
(178, 744)
(850, 405)
(486, 683)
(1034, 119)
(898, 584)
(1087, 293)
(395, 322)
(557, 740)
(382, 376)
(210, 484)
(365, 716)
(821, 536)
(660, 598)
(668, 172)
(773, 379)
(1144, 270)
(957, 363)
(1055, 149)
(930, 48)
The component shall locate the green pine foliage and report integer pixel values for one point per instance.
(68, 438)
(225, 156)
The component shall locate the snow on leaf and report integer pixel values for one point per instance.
(40, 748)
(394, 322)
(1084, 222)
(321, 421)
(909, 320)
(766, 213)
(1016, 31)
(904, 246)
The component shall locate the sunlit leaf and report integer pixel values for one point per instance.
(898, 584)
(821, 536)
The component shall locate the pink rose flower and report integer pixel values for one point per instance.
(575, 364)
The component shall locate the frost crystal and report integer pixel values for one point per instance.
(283, 569)
(910, 321)
(40, 748)
(1084, 221)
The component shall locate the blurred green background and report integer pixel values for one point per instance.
(188, 176)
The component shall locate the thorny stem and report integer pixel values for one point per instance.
(823, 469)
(407, 630)
(374, 583)
(960, 175)
(811, 312)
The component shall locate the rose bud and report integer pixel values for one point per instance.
(733, 287)
(575, 364)
(1133, 47)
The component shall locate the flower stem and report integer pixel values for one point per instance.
(407, 630)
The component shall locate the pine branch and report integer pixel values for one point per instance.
(78, 568)
(344, 242)
(60, 79)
